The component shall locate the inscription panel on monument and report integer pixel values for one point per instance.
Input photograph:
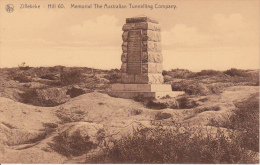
(134, 52)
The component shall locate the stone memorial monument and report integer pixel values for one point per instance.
(142, 61)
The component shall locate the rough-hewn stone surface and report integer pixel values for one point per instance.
(152, 57)
(141, 19)
(141, 61)
(145, 78)
(124, 57)
(141, 51)
(124, 47)
(124, 67)
(125, 36)
(141, 25)
(149, 35)
(152, 68)
(151, 46)
(127, 78)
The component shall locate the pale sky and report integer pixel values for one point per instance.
(197, 35)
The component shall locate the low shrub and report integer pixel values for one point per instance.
(74, 145)
(246, 120)
(236, 72)
(186, 103)
(22, 78)
(48, 77)
(70, 115)
(164, 72)
(157, 145)
(141, 98)
(180, 73)
(71, 77)
(113, 77)
(207, 73)
(74, 92)
(30, 96)
(161, 116)
(155, 105)
(136, 112)
(165, 102)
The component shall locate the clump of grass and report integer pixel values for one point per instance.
(207, 108)
(74, 145)
(136, 112)
(70, 115)
(50, 125)
(74, 92)
(141, 98)
(236, 72)
(186, 103)
(30, 96)
(208, 73)
(113, 77)
(71, 77)
(246, 120)
(160, 116)
(157, 145)
(21, 77)
(155, 105)
(179, 73)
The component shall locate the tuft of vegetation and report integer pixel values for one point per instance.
(245, 120)
(179, 73)
(136, 112)
(74, 92)
(186, 103)
(171, 146)
(23, 66)
(208, 73)
(164, 72)
(74, 145)
(152, 104)
(30, 96)
(23, 78)
(113, 77)
(70, 115)
(71, 77)
(161, 116)
(236, 72)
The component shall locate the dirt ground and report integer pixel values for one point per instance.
(25, 129)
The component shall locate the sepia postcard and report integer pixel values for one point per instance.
(129, 81)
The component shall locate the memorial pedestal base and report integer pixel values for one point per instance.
(155, 91)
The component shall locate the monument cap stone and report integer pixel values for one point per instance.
(141, 19)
